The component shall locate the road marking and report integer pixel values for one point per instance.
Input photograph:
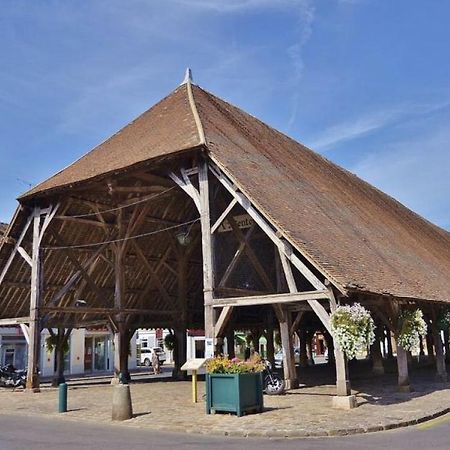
(434, 422)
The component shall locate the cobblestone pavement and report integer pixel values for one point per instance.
(166, 405)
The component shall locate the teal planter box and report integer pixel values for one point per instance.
(235, 393)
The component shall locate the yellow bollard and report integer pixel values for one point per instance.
(194, 386)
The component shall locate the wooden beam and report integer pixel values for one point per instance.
(35, 300)
(25, 331)
(269, 299)
(222, 321)
(187, 187)
(23, 253)
(16, 248)
(153, 274)
(384, 318)
(268, 229)
(315, 305)
(251, 255)
(81, 220)
(207, 250)
(99, 310)
(76, 276)
(237, 292)
(236, 257)
(153, 179)
(297, 321)
(138, 189)
(223, 215)
(14, 321)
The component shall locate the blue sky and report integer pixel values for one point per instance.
(364, 82)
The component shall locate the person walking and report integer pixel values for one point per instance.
(155, 363)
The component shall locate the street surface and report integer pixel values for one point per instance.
(32, 433)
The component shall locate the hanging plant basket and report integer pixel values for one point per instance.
(353, 329)
(412, 327)
(170, 341)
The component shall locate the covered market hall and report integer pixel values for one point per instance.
(146, 231)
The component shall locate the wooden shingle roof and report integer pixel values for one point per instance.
(360, 237)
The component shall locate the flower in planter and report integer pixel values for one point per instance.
(353, 328)
(222, 364)
(411, 327)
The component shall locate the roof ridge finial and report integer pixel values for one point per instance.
(188, 76)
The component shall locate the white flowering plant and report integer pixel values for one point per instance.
(412, 327)
(353, 329)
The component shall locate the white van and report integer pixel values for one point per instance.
(146, 355)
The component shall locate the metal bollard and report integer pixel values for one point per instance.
(62, 398)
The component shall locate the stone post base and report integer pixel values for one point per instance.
(405, 388)
(290, 384)
(121, 404)
(441, 378)
(344, 402)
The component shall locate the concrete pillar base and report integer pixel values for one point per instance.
(343, 388)
(378, 370)
(405, 388)
(441, 378)
(33, 390)
(291, 384)
(344, 402)
(122, 408)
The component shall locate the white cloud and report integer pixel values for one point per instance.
(231, 6)
(295, 52)
(371, 122)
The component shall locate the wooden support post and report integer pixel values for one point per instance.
(441, 371)
(309, 349)
(121, 352)
(230, 343)
(430, 349)
(61, 341)
(446, 346)
(402, 355)
(343, 387)
(121, 338)
(270, 340)
(290, 373)
(223, 321)
(330, 346)
(377, 357)
(207, 252)
(402, 365)
(179, 354)
(303, 348)
(390, 353)
(421, 348)
(35, 301)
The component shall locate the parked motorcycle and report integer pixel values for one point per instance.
(11, 377)
(273, 384)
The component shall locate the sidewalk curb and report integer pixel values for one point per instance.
(268, 434)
